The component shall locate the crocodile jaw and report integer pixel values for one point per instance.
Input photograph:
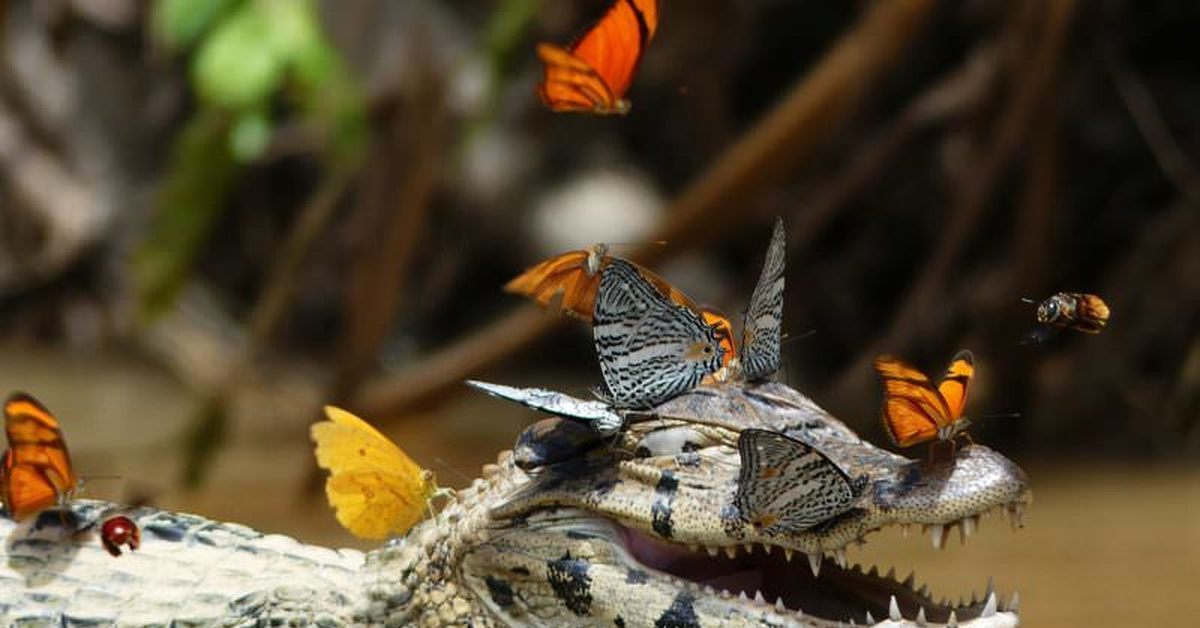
(567, 567)
(677, 521)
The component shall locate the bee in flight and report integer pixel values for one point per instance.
(1080, 311)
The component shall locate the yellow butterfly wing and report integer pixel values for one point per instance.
(374, 488)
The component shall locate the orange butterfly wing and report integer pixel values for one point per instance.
(576, 276)
(724, 332)
(954, 383)
(37, 467)
(594, 74)
(912, 408)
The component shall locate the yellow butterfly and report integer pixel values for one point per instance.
(373, 486)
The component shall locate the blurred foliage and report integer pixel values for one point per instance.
(253, 62)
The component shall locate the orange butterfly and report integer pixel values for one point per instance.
(594, 74)
(916, 410)
(37, 470)
(576, 275)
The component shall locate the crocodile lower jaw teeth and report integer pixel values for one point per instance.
(788, 582)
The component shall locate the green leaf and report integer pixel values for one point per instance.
(180, 23)
(240, 65)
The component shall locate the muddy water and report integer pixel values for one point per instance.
(1103, 545)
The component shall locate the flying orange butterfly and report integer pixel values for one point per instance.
(593, 75)
(916, 410)
(576, 275)
(37, 470)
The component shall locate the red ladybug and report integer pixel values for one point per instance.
(118, 531)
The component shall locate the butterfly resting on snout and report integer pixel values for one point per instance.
(786, 486)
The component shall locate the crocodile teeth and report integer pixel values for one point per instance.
(759, 598)
(749, 547)
(989, 609)
(1014, 602)
(731, 551)
(953, 621)
(991, 588)
(814, 563)
(712, 551)
(923, 591)
(779, 605)
(938, 534)
(970, 525)
(742, 597)
(788, 554)
(839, 557)
(894, 610)
(870, 618)
(921, 616)
(767, 550)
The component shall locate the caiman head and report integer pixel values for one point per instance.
(643, 528)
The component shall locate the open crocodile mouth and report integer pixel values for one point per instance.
(824, 587)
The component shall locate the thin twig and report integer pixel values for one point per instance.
(396, 201)
(210, 421)
(952, 95)
(808, 116)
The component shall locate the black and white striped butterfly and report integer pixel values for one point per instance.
(787, 486)
(763, 321)
(650, 348)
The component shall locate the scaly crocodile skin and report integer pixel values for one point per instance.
(564, 545)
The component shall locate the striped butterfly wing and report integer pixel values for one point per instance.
(650, 349)
(761, 332)
(913, 409)
(786, 486)
(37, 471)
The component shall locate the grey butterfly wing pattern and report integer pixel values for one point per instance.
(787, 486)
(595, 414)
(650, 349)
(763, 322)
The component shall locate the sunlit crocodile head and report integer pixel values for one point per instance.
(642, 529)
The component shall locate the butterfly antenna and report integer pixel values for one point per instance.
(445, 466)
(788, 338)
(1004, 415)
(636, 244)
(89, 478)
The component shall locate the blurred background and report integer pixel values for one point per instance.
(217, 215)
